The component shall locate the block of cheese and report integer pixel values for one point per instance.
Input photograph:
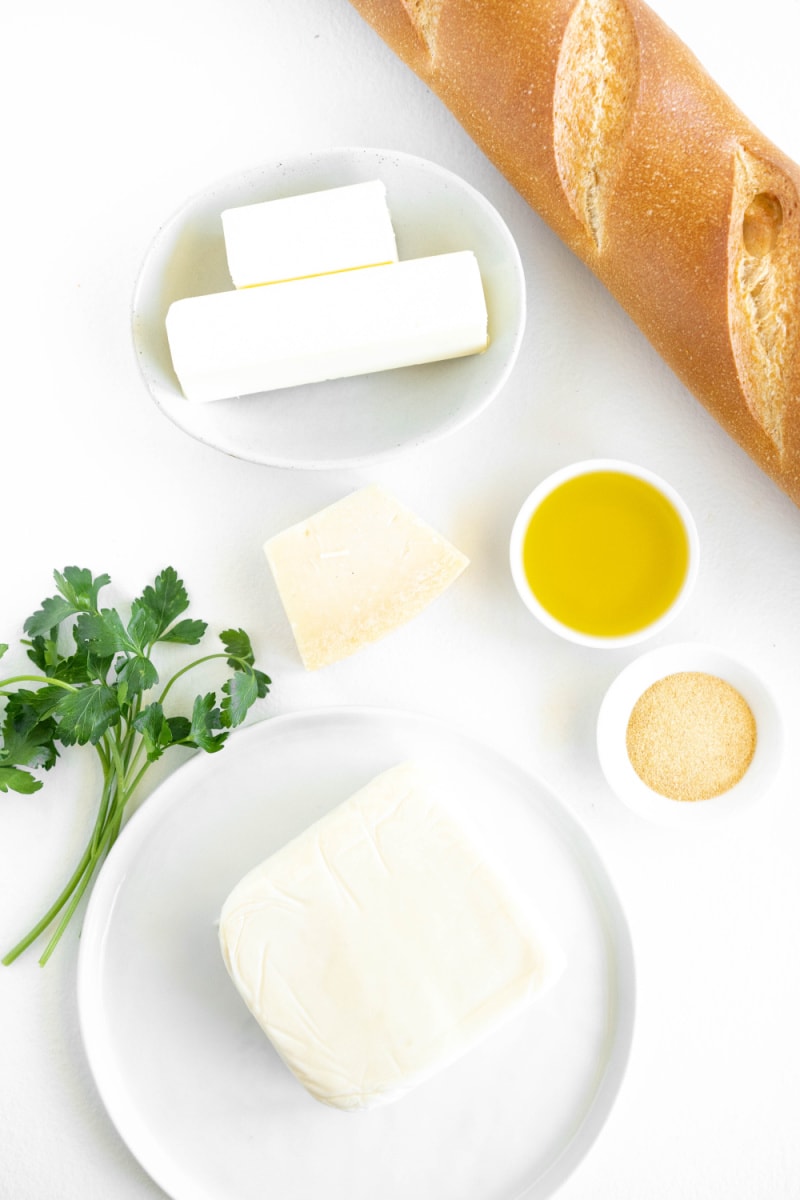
(356, 571)
(332, 230)
(380, 945)
(257, 339)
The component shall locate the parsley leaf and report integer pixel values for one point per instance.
(206, 718)
(85, 715)
(103, 633)
(43, 653)
(180, 728)
(138, 674)
(12, 779)
(241, 692)
(54, 610)
(155, 730)
(187, 633)
(78, 593)
(28, 739)
(238, 647)
(84, 666)
(158, 606)
(79, 588)
(42, 702)
(103, 637)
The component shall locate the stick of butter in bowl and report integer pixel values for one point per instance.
(328, 326)
(380, 945)
(334, 229)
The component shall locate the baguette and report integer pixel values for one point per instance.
(611, 129)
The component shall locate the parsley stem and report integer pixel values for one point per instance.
(68, 687)
(132, 766)
(102, 754)
(52, 912)
(116, 758)
(105, 801)
(132, 786)
(55, 908)
(190, 667)
(106, 841)
(129, 742)
(108, 822)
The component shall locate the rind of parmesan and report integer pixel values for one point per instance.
(596, 81)
(764, 289)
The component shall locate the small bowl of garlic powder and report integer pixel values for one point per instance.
(688, 735)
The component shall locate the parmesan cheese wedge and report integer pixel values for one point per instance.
(380, 945)
(337, 229)
(356, 571)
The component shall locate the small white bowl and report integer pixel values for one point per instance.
(615, 713)
(549, 485)
(343, 422)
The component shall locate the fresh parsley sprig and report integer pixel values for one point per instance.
(99, 691)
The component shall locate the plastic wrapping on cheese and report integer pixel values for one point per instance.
(336, 229)
(379, 945)
(356, 571)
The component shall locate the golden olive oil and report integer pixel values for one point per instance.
(606, 553)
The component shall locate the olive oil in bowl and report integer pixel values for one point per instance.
(604, 553)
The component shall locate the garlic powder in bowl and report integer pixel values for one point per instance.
(688, 735)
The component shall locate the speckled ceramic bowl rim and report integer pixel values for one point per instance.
(548, 485)
(614, 715)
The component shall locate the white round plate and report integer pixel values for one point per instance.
(344, 422)
(195, 1088)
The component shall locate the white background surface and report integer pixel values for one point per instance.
(113, 115)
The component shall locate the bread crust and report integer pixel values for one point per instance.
(610, 128)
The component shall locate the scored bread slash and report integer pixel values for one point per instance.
(356, 571)
(593, 105)
(348, 323)
(336, 229)
(381, 944)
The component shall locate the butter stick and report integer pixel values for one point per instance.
(258, 339)
(336, 229)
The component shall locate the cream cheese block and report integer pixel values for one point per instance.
(356, 571)
(380, 945)
(337, 229)
(257, 339)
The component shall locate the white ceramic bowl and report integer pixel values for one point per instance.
(535, 499)
(344, 422)
(612, 726)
